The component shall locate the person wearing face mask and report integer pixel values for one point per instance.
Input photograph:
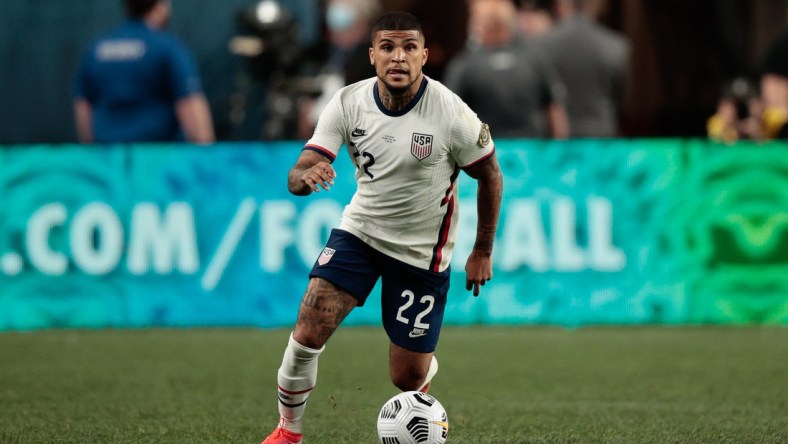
(344, 56)
(348, 24)
(138, 83)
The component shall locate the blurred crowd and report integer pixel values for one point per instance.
(755, 109)
(530, 68)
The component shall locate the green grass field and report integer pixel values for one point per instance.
(499, 385)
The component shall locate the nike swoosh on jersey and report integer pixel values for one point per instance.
(417, 333)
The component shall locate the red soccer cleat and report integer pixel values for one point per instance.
(282, 436)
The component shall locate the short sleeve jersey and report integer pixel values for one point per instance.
(132, 76)
(407, 165)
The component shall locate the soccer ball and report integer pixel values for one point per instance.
(412, 418)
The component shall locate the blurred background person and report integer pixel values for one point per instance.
(344, 55)
(745, 112)
(774, 89)
(269, 40)
(739, 113)
(593, 63)
(348, 26)
(138, 83)
(504, 78)
(535, 17)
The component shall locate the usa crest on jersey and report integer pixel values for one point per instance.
(326, 255)
(421, 147)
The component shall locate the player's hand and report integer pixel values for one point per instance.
(320, 175)
(478, 271)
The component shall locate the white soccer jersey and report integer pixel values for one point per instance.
(407, 164)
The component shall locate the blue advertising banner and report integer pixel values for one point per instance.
(610, 232)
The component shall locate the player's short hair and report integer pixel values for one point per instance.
(139, 8)
(396, 21)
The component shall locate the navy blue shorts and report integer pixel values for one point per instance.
(413, 300)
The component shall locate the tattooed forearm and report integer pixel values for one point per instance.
(484, 243)
(488, 203)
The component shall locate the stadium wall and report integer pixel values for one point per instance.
(591, 232)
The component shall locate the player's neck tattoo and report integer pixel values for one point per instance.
(396, 99)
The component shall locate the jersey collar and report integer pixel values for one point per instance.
(405, 110)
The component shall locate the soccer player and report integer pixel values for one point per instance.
(409, 137)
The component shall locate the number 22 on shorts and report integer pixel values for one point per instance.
(419, 327)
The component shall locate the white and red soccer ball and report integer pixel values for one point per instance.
(412, 418)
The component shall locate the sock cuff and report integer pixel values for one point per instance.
(303, 350)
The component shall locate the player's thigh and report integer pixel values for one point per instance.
(341, 278)
(413, 303)
(323, 308)
(349, 264)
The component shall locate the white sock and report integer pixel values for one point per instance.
(430, 374)
(296, 378)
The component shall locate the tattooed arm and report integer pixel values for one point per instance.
(478, 268)
(311, 172)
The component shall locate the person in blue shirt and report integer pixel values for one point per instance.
(138, 83)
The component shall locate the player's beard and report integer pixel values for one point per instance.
(399, 91)
(396, 91)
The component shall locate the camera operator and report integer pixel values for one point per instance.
(264, 104)
(739, 114)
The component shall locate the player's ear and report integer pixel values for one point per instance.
(372, 56)
(426, 56)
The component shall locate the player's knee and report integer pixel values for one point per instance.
(408, 379)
